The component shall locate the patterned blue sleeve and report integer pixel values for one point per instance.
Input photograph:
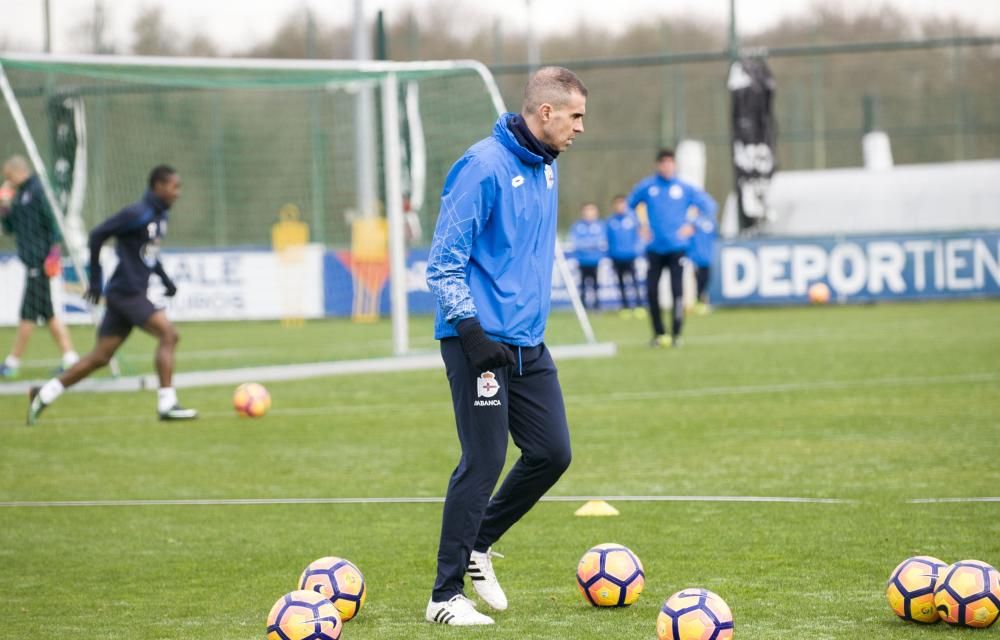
(465, 207)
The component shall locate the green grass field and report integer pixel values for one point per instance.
(873, 405)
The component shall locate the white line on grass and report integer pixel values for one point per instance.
(192, 379)
(941, 500)
(352, 405)
(805, 386)
(403, 500)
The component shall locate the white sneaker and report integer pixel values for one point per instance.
(459, 611)
(484, 580)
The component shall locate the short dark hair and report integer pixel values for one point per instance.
(553, 85)
(618, 197)
(664, 153)
(160, 173)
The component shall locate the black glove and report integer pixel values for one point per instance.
(171, 288)
(93, 293)
(484, 354)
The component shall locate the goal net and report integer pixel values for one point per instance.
(309, 188)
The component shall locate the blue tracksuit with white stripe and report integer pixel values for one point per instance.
(491, 258)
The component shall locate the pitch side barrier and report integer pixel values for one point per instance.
(861, 269)
(228, 284)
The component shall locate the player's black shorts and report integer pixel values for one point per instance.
(125, 312)
(36, 306)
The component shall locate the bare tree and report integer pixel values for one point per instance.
(93, 34)
(151, 36)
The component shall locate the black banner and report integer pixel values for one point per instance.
(751, 88)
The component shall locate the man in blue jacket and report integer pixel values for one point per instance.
(701, 253)
(667, 200)
(490, 268)
(623, 249)
(138, 229)
(589, 244)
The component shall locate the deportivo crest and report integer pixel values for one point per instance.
(550, 178)
(654, 191)
(487, 385)
(676, 192)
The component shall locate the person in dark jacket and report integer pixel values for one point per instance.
(25, 214)
(139, 229)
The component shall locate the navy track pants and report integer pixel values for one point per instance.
(524, 400)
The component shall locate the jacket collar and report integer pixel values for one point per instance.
(152, 200)
(529, 150)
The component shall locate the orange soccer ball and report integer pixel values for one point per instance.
(968, 594)
(303, 615)
(251, 400)
(694, 614)
(610, 575)
(819, 293)
(910, 589)
(340, 581)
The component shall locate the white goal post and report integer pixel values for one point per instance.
(388, 76)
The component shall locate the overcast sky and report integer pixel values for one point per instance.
(237, 24)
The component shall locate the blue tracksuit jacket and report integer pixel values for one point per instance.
(492, 252)
(623, 236)
(589, 242)
(701, 251)
(667, 202)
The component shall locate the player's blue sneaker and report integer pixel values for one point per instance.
(35, 405)
(8, 372)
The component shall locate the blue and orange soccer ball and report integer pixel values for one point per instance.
(610, 575)
(968, 594)
(303, 615)
(339, 581)
(910, 589)
(694, 614)
(251, 400)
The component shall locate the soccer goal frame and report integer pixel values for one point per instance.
(386, 74)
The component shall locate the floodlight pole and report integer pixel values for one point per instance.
(364, 132)
(734, 35)
(47, 19)
(534, 53)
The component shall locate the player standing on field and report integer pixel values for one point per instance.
(623, 249)
(701, 252)
(667, 200)
(139, 228)
(25, 213)
(490, 268)
(589, 245)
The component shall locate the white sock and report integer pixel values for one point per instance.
(166, 398)
(12, 362)
(70, 358)
(50, 391)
